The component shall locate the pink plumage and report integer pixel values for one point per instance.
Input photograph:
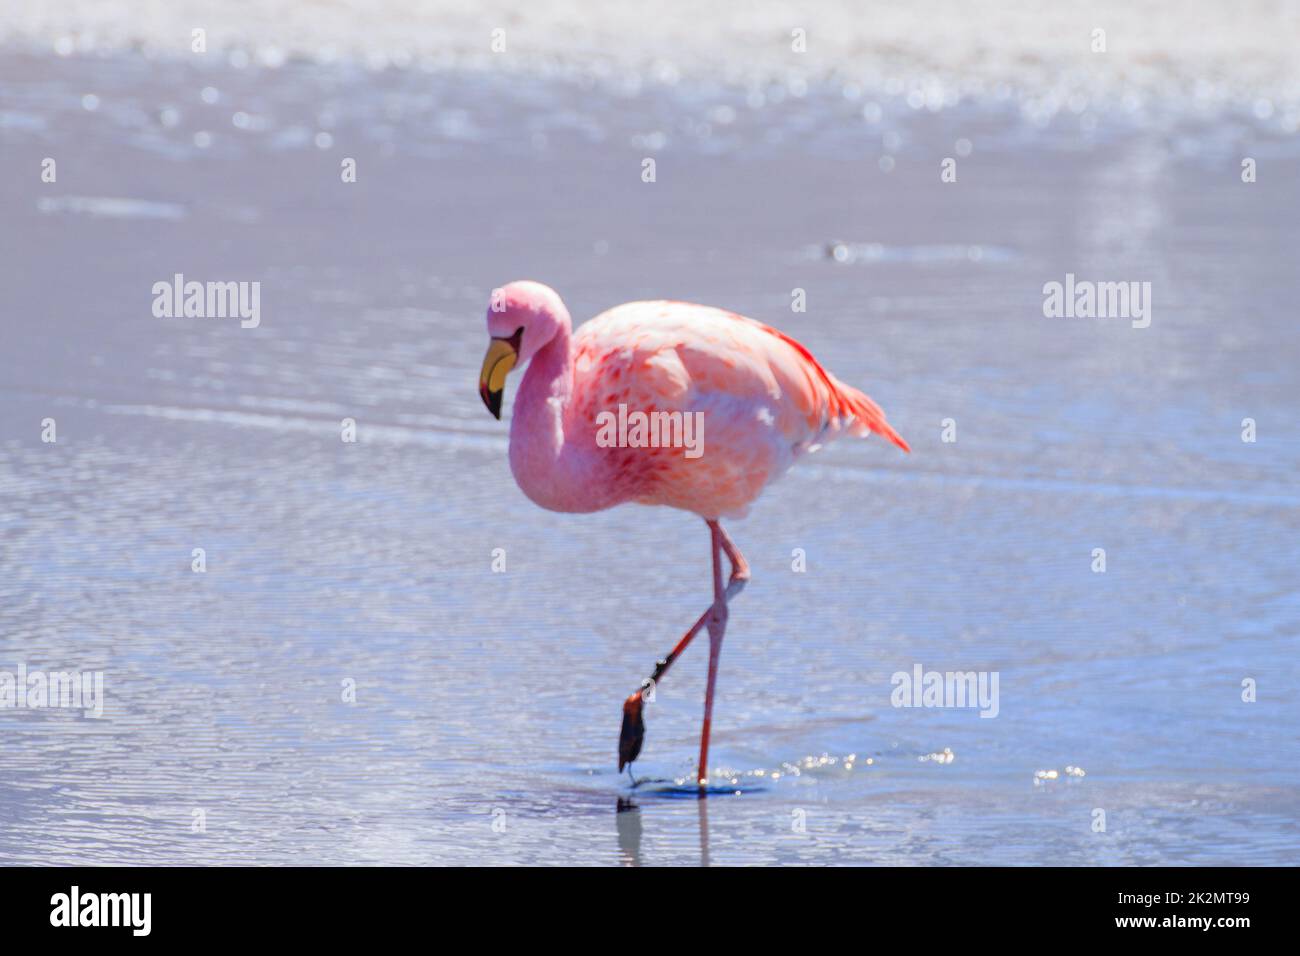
(762, 397)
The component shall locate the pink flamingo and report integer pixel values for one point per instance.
(758, 398)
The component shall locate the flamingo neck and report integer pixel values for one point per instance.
(553, 472)
(549, 377)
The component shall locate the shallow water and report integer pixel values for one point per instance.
(487, 704)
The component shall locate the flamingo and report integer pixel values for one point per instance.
(760, 397)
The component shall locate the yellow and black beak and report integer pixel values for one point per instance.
(500, 359)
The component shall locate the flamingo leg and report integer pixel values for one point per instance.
(739, 566)
(633, 731)
(717, 630)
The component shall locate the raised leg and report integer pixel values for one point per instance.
(632, 734)
(739, 566)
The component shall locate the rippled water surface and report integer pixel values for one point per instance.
(487, 705)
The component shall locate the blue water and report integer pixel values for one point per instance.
(487, 704)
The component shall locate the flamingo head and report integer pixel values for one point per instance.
(521, 319)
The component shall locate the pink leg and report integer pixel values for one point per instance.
(717, 630)
(633, 732)
(739, 566)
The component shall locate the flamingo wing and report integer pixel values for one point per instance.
(678, 356)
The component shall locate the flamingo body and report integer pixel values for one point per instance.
(762, 398)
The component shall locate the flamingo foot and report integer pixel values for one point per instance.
(632, 734)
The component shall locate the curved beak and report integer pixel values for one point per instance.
(500, 359)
